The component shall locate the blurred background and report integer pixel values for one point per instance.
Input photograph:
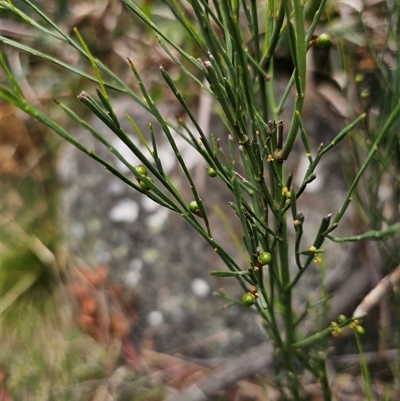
(106, 296)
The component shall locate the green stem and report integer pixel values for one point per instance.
(286, 299)
(274, 37)
(373, 235)
(364, 369)
(375, 146)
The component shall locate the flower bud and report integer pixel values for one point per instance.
(142, 170)
(360, 330)
(194, 207)
(144, 186)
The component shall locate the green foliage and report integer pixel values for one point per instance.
(237, 64)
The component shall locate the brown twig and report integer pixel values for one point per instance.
(377, 293)
(343, 361)
(247, 365)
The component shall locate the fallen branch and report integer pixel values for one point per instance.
(246, 366)
(376, 294)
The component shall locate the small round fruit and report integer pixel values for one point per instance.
(341, 318)
(248, 299)
(211, 172)
(265, 258)
(359, 78)
(142, 170)
(194, 207)
(323, 40)
(144, 186)
(360, 330)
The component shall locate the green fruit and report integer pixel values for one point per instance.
(341, 318)
(194, 207)
(144, 186)
(323, 40)
(211, 172)
(142, 170)
(359, 78)
(265, 258)
(248, 299)
(360, 330)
